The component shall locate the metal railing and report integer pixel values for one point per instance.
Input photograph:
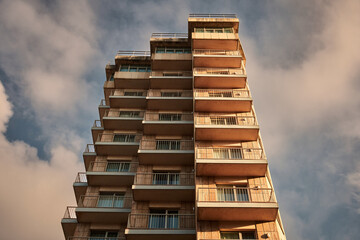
(96, 238)
(167, 145)
(236, 194)
(229, 153)
(134, 53)
(169, 93)
(161, 221)
(219, 71)
(171, 117)
(169, 178)
(128, 93)
(124, 114)
(97, 124)
(216, 52)
(90, 148)
(222, 93)
(169, 35)
(103, 103)
(225, 120)
(81, 178)
(105, 201)
(113, 166)
(211, 15)
(119, 137)
(70, 213)
(171, 74)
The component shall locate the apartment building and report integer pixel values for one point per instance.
(177, 152)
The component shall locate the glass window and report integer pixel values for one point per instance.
(168, 144)
(166, 178)
(129, 114)
(124, 138)
(199, 30)
(113, 200)
(118, 167)
(238, 235)
(169, 117)
(230, 193)
(171, 94)
(102, 235)
(160, 50)
(124, 68)
(159, 218)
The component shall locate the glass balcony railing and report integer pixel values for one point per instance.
(128, 93)
(210, 15)
(81, 178)
(123, 114)
(169, 35)
(161, 221)
(216, 52)
(134, 53)
(113, 166)
(89, 148)
(70, 213)
(119, 137)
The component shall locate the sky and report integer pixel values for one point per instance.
(303, 61)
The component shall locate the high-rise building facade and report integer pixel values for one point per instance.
(177, 152)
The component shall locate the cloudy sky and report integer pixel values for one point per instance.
(303, 64)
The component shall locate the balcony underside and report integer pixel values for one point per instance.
(116, 148)
(239, 211)
(166, 157)
(168, 82)
(219, 81)
(163, 193)
(110, 178)
(223, 105)
(115, 123)
(102, 215)
(226, 133)
(69, 226)
(174, 104)
(88, 158)
(217, 61)
(223, 44)
(80, 189)
(127, 102)
(231, 168)
(132, 83)
(159, 234)
(168, 128)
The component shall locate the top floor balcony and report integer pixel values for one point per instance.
(217, 58)
(169, 37)
(171, 80)
(131, 56)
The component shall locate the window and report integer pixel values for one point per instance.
(169, 117)
(118, 167)
(136, 94)
(112, 200)
(160, 218)
(124, 138)
(111, 77)
(214, 30)
(238, 235)
(172, 50)
(134, 68)
(167, 144)
(231, 193)
(227, 153)
(171, 94)
(129, 114)
(102, 235)
(166, 178)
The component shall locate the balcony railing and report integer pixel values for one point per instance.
(236, 194)
(128, 93)
(225, 120)
(222, 93)
(119, 137)
(123, 114)
(229, 153)
(161, 221)
(171, 74)
(103, 103)
(171, 117)
(112, 166)
(216, 52)
(179, 179)
(81, 178)
(89, 148)
(169, 94)
(210, 15)
(105, 201)
(97, 124)
(219, 71)
(134, 53)
(96, 238)
(167, 145)
(169, 35)
(70, 213)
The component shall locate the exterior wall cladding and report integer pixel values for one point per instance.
(177, 152)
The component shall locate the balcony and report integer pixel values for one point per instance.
(126, 57)
(123, 119)
(171, 80)
(172, 100)
(168, 123)
(172, 59)
(89, 154)
(96, 129)
(169, 37)
(121, 98)
(103, 209)
(222, 127)
(163, 186)
(215, 40)
(217, 58)
(222, 100)
(69, 222)
(80, 185)
(226, 161)
(103, 106)
(161, 227)
(125, 144)
(236, 204)
(111, 173)
(219, 78)
(136, 77)
(166, 152)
